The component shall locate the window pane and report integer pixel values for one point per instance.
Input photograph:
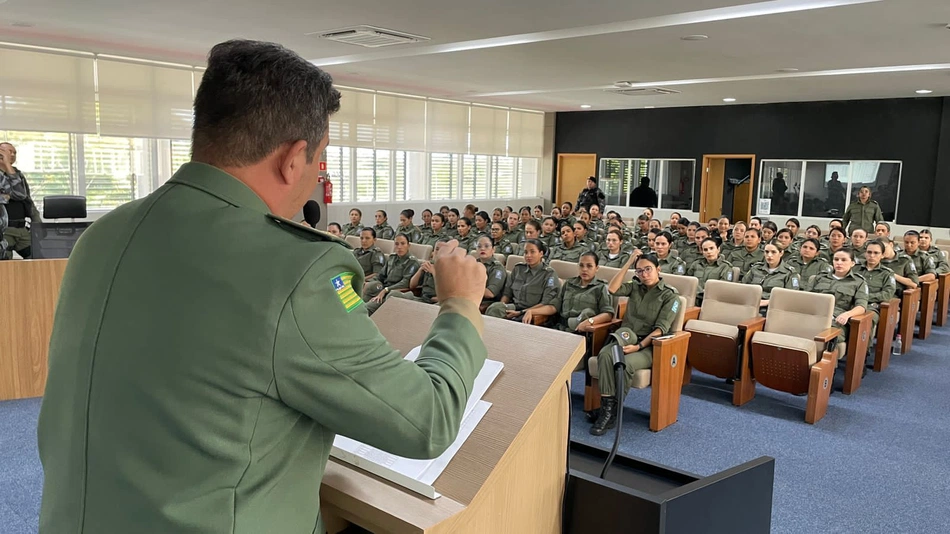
(527, 183)
(503, 177)
(181, 153)
(399, 177)
(677, 188)
(114, 166)
(338, 171)
(474, 176)
(884, 187)
(382, 175)
(46, 161)
(781, 185)
(825, 188)
(611, 176)
(443, 170)
(365, 174)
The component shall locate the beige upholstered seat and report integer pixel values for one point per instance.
(421, 252)
(608, 273)
(565, 270)
(353, 240)
(687, 286)
(500, 258)
(386, 245)
(725, 306)
(512, 261)
(796, 316)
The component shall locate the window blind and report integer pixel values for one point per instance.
(447, 127)
(474, 176)
(525, 134)
(443, 171)
(400, 123)
(354, 125)
(140, 100)
(489, 131)
(45, 92)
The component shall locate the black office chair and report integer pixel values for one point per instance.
(64, 207)
(57, 239)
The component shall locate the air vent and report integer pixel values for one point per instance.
(642, 91)
(369, 36)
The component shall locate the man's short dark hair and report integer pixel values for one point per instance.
(256, 96)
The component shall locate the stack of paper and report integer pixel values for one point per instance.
(419, 475)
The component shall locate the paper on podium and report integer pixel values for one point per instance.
(419, 475)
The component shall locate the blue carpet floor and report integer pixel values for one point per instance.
(875, 464)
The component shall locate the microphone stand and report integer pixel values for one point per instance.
(620, 367)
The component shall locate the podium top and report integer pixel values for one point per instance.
(536, 360)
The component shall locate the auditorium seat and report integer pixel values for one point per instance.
(353, 240)
(512, 261)
(421, 252)
(565, 270)
(386, 245)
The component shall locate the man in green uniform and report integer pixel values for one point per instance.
(569, 250)
(371, 259)
(16, 197)
(651, 310)
(864, 213)
(354, 227)
(395, 276)
(904, 269)
(216, 414)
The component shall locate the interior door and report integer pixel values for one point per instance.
(714, 171)
(572, 173)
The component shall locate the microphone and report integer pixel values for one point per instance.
(616, 352)
(311, 213)
(620, 365)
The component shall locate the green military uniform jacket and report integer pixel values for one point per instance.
(384, 231)
(352, 229)
(563, 253)
(782, 276)
(496, 279)
(672, 265)
(813, 268)
(411, 232)
(620, 260)
(940, 262)
(881, 284)
(468, 242)
(504, 247)
(744, 260)
(859, 252)
(923, 262)
(550, 241)
(203, 396)
(864, 216)
(425, 230)
(398, 271)
(372, 260)
(682, 243)
(902, 265)
(648, 309)
(690, 254)
(849, 292)
(451, 231)
(728, 247)
(432, 238)
(575, 298)
(705, 271)
(529, 286)
(514, 237)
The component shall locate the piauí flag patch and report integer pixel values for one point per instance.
(342, 283)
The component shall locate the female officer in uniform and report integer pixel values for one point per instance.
(466, 237)
(926, 244)
(769, 229)
(848, 288)
(495, 271)
(369, 256)
(425, 229)
(613, 256)
(513, 235)
(771, 273)
(354, 226)
(750, 253)
(383, 230)
(666, 262)
(407, 228)
(807, 263)
(710, 267)
(549, 233)
(497, 215)
(785, 241)
(584, 301)
(882, 286)
(499, 231)
(482, 223)
(399, 268)
(651, 310)
(530, 286)
(437, 231)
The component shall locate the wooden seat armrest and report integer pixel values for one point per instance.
(660, 344)
(859, 320)
(539, 319)
(691, 313)
(942, 278)
(752, 325)
(828, 335)
(890, 302)
(607, 327)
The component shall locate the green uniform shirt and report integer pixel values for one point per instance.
(728, 247)
(204, 396)
(902, 265)
(649, 309)
(572, 255)
(881, 284)
(782, 276)
(923, 262)
(432, 238)
(468, 242)
(496, 279)
(849, 292)
(859, 252)
(514, 237)
(384, 231)
(372, 260)
(398, 271)
(504, 247)
(864, 216)
(620, 260)
(425, 230)
(411, 232)
(744, 260)
(690, 254)
(672, 265)
(940, 262)
(813, 268)
(529, 286)
(575, 298)
(352, 229)
(704, 271)
(550, 241)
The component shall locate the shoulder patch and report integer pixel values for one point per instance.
(551, 281)
(498, 274)
(343, 285)
(305, 231)
(676, 305)
(795, 281)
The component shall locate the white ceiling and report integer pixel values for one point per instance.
(568, 53)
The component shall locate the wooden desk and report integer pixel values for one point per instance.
(509, 475)
(28, 297)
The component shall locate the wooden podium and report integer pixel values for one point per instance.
(510, 474)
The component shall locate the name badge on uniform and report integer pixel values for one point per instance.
(498, 275)
(550, 282)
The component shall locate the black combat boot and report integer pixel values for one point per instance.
(608, 416)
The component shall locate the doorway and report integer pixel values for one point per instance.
(727, 187)
(572, 173)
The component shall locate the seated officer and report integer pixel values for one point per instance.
(371, 259)
(424, 278)
(926, 244)
(750, 253)
(584, 301)
(613, 255)
(394, 277)
(383, 230)
(569, 250)
(710, 267)
(849, 289)
(549, 233)
(499, 231)
(465, 237)
(807, 262)
(495, 282)
(859, 240)
(407, 227)
(651, 310)
(436, 231)
(513, 235)
(905, 272)
(771, 273)
(923, 262)
(666, 262)
(580, 235)
(882, 286)
(883, 229)
(692, 252)
(531, 285)
(354, 226)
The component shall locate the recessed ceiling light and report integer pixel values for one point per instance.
(585, 106)
(729, 99)
(787, 69)
(648, 107)
(924, 91)
(697, 37)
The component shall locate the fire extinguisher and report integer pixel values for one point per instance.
(327, 191)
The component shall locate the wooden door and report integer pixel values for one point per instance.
(710, 199)
(742, 200)
(572, 173)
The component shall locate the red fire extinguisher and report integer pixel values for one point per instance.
(327, 191)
